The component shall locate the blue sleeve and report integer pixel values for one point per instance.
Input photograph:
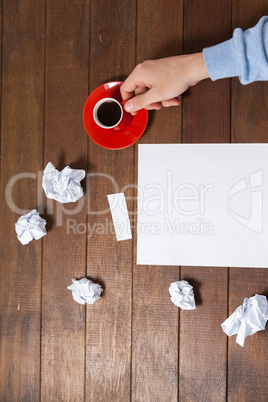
(244, 56)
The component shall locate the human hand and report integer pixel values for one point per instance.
(157, 83)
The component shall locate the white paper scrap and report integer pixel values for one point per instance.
(30, 226)
(118, 207)
(182, 295)
(85, 291)
(247, 319)
(63, 186)
(203, 205)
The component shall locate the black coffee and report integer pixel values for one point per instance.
(109, 113)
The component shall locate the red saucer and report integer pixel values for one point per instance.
(107, 138)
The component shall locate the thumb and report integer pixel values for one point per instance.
(141, 101)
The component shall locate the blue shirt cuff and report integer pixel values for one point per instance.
(221, 60)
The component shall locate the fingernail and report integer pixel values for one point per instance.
(129, 106)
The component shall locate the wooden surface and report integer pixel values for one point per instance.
(64, 254)
(248, 124)
(203, 345)
(133, 344)
(23, 27)
(108, 336)
(155, 320)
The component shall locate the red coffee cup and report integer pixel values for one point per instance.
(109, 113)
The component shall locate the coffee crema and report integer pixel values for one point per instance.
(109, 113)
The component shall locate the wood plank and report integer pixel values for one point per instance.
(155, 318)
(1, 38)
(247, 366)
(64, 254)
(112, 52)
(203, 360)
(21, 151)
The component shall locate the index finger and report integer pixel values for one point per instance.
(128, 87)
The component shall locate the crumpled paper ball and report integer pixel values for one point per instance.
(85, 291)
(63, 186)
(182, 295)
(247, 319)
(30, 226)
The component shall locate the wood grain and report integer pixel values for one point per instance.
(108, 340)
(247, 366)
(155, 318)
(203, 361)
(21, 152)
(64, 254)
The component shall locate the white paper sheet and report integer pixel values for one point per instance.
(203, 204)
(118, 207)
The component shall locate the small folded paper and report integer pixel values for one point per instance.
(182, 295)
(63, 186)
(247, 319)
(118, 207)
(30, 226)
(85, 291)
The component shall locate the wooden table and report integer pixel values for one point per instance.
(133, 344)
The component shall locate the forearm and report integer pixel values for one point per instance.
(244, 56)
